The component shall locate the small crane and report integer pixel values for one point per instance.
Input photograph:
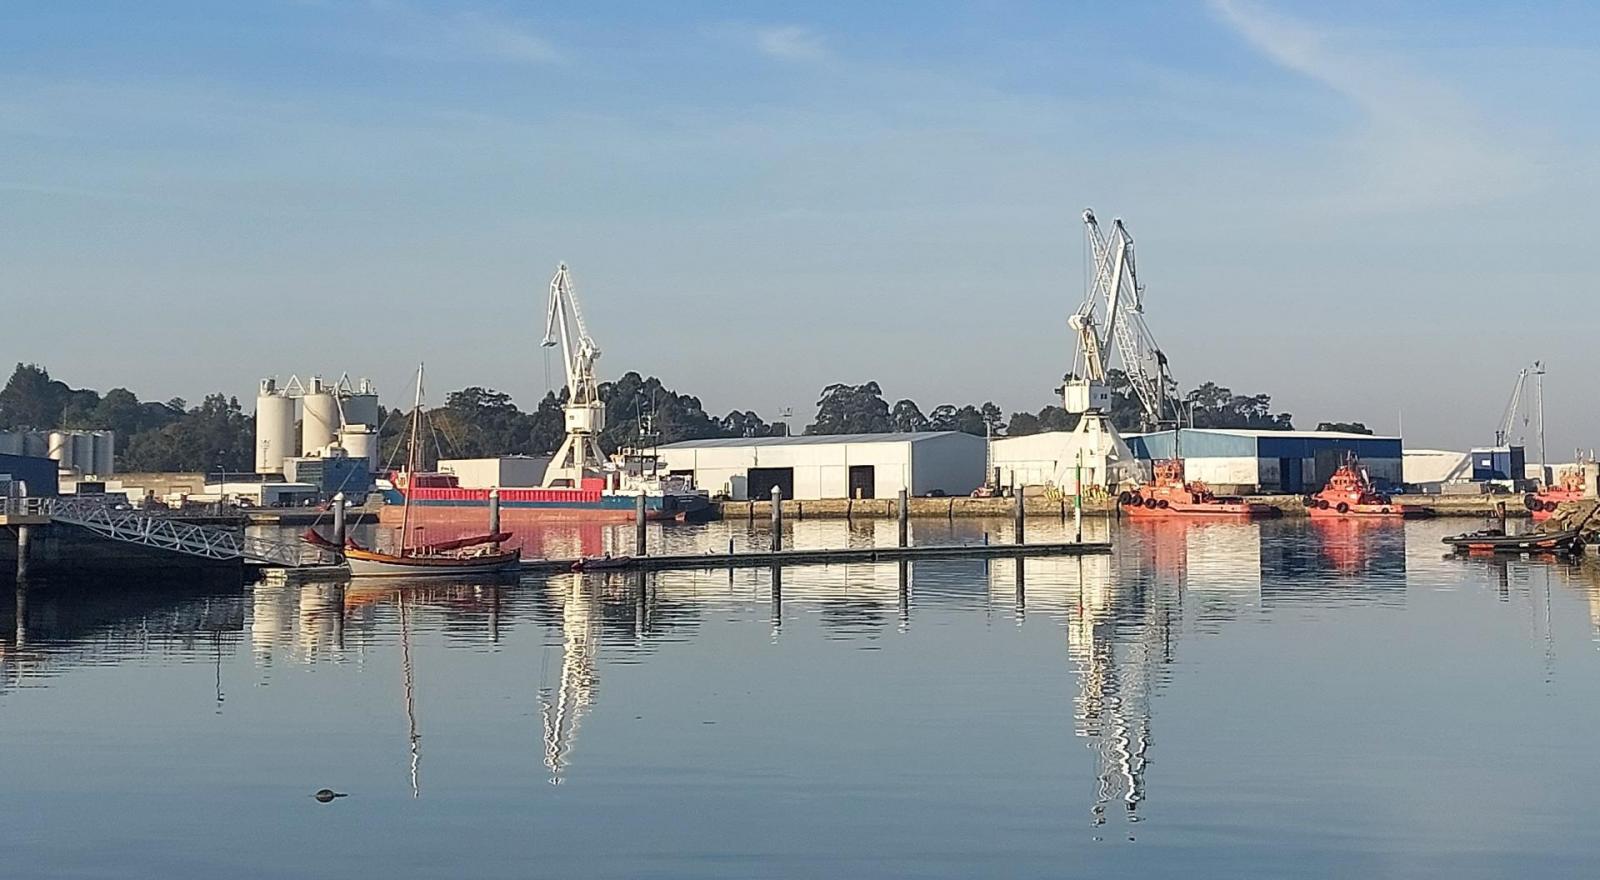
(580, 453)
(1514, 409)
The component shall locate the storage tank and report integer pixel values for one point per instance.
(35, 443)
(361, 441)
(274, 428)
(105, 453)
(60, 449)
(361, 405)
(10, 443)
(319, 418)
(83, 460)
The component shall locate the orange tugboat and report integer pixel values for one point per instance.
(1543, 504)
(1351, 493)
(1169, 496)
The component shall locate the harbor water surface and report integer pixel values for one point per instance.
(1288, 698)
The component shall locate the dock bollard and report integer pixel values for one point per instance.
(338, 518)
(905, 517)
(638, 525)
(24, 538)
(777, 518)
(1020, 515)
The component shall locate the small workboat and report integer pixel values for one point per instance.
(1351, 493)
(1543, 503)
(1568, 542)
(1169, 495)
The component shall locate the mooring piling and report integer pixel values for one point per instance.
(338, 518)
(1021, 516)
(777, 518)
(638, 525)
(904, 513)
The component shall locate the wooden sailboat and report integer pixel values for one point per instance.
(478, 554)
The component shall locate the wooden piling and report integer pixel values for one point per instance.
(338, 517)
(24, 539)
(638, 526)
(1021, 517)
(777, 518)
(904, 513)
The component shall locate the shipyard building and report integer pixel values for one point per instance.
(814, 467)
(1244, 461)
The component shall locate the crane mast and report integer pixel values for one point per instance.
(580, 453)
(1116, 295)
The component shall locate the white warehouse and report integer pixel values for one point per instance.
(814, 467)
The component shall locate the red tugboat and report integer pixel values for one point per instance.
(1543, 503)
(1169, 496)
(1351, 493)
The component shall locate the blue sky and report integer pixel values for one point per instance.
(1361, 209)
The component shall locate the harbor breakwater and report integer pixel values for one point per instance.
(1046, 505)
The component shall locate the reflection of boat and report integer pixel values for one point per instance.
(1170, 496)
(1351, 493)
(473, 554)
(1497, 541)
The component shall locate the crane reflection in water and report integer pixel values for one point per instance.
(563, 706)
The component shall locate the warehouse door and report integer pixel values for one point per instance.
(761, 481)
(1291, 475)
(863, 478)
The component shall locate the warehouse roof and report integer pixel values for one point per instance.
(811, 440)
(1253, 432)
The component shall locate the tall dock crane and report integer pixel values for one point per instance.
(1110, 322)
(580, 453)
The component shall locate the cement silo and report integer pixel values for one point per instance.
(361, 406)
(35, 443)
(83, 457)
(361, 442)
(10, 443)
(319, 419)
(274, 428)
(105, 453)
(61, 449)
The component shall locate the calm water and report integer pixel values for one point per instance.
(1212, 700)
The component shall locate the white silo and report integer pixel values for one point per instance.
(60, 449)
(105, 453)
(361, 405)
(274, 428)
(319, 418)
(361, 441)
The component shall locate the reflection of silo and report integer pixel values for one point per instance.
(61, 448)
(274, 428)
(319, 424)
(361, 406)
(360, 441)
(105, 453)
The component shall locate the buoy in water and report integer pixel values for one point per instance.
(327, 794)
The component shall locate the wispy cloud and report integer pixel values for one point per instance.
(1421, 144)
(467, 33)
(790, 42)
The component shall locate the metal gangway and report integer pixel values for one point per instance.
(166, 533)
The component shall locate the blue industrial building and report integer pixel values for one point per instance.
(1246, 461)
(40, 476)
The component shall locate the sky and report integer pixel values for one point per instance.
(1371, 211)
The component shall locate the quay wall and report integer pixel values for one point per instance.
(1039, 505)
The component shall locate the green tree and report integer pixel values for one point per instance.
(1346, 427)
(907, 416)
(851, 409)
(32, 400)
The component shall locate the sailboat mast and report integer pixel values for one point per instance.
(411, 465)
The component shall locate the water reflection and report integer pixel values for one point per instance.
(1099, 641)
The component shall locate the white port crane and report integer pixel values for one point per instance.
(586, 413)
(1115, 299)
(1514, 409)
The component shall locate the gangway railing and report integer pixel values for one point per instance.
(135, 527)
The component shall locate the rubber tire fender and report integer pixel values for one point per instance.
(1124, 498)
(1149, 504)
(1531, 502)
(1343, 507)
(1163, 504)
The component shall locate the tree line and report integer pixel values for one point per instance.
(477, 421)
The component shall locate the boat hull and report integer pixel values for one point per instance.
(554, 504)
(1370, 511)
(1570, 542)
(1223, 510)
(367, 563)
